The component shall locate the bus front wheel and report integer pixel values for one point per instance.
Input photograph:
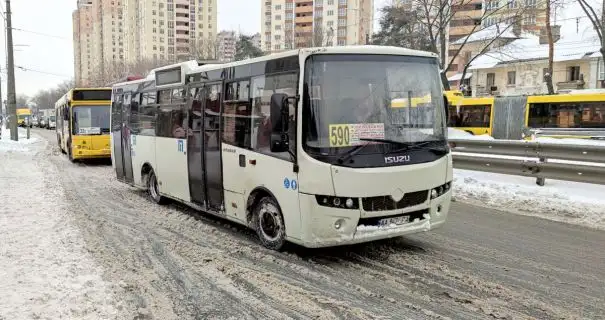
(269, 224)
(153, 189)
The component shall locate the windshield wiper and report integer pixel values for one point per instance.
(358, 148)
(349, 154)
(421, 145)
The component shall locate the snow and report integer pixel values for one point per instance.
(45, 269)
(453, 133)
(570, 202)
(8, 145)
(499, 30)
(586, 142)
(576, 42)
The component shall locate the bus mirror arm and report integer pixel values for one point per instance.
(446, 104)
(279, 122)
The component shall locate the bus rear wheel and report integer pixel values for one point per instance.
(153, 189)
(269, 224)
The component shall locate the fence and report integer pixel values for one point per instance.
(532, 159)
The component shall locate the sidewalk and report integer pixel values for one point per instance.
(45, 270)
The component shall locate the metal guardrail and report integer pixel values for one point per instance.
(535, 159)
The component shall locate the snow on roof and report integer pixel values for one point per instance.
(499, 30)
(578, 41)
(458, 76)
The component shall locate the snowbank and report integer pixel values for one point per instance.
(571, 202)
(45, 270)
(8, 145)
(453, 133)
(587, 142)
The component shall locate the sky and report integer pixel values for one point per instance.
(44, 48)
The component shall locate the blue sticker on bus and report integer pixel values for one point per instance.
(180, 146)
(286, 183)
(293, 184)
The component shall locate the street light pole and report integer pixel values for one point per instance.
(10, 94)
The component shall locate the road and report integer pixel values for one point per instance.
(173, 263)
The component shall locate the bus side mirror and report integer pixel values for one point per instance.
(279, 122)
(446, 105)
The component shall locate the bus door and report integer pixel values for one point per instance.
(195, 146)
(126, 138)
(204, 157)
(116, 136)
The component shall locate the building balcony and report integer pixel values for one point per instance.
(571, 85)
(304, 9)
(304, 19)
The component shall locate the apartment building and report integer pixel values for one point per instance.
(226, 45)
(83, 44)
(287, 24)
(126, 31)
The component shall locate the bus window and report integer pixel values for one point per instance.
(567, 115)
(593, 115)
(474, 116)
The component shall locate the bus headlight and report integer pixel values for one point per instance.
(349, 203)
(440, 190)
(337, 202)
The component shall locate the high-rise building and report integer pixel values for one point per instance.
(83, 43)
(287, 24)
(129, 31)
(226, 45)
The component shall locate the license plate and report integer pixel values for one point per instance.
(395, 220)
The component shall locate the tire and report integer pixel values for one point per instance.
(153, 190)
(70, 153)
(269, 224)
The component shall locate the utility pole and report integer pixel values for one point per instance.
(10, 88)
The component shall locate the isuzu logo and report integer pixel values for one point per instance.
(396, 159)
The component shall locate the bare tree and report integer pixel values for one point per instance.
(550, 6)
(597, 22)
(204, 49)
(46, 99)
(551, 50)
(490, 41)
(436, 16)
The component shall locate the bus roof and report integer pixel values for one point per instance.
(195, 66)
(575, 97)
(363, 49)
(475, 101)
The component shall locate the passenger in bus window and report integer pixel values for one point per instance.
(178, 131)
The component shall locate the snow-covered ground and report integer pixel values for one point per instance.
(571, 202)
(45, 270)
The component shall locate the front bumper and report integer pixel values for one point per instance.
(318, 222)
(91, 154)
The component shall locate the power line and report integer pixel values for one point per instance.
(40, 33)
(42, 72)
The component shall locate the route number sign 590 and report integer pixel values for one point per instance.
(340, 135)
(352, 134)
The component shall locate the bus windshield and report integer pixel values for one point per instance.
(351, 98)
(90, 120)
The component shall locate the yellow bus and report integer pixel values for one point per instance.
(572, 115)
(473, 115)
(24, 117)
(82, 123)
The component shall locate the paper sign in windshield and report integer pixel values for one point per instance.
(89, 130)
(346, 135)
